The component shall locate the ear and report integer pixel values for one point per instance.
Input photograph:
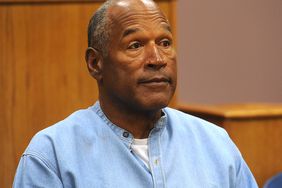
(94, 63)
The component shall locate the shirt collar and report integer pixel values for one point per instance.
(123, 134)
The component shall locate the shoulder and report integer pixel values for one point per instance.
(202, 134)
(181, 120)
(80, 120)
(62, 138)
(211, 144)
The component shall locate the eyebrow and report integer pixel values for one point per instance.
(134, 30)
(130, 31)
(168, 28)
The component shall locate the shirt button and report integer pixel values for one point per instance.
(125, 134)
(156, 162)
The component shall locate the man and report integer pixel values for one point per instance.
(129, 138)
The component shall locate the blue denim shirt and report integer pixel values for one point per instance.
(86, 150)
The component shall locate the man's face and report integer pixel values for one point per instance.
(140, 69)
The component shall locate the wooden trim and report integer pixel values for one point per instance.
(56, 1)
(238, 111)
(47, 1)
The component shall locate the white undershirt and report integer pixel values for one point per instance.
(140, 148)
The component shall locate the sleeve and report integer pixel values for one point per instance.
(34, 171)
(244, 176)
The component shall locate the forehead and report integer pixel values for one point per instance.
(140, 13)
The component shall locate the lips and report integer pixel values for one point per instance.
(155, 80)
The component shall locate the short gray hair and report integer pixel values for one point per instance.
(99, 29)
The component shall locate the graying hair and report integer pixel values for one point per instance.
(99, 29)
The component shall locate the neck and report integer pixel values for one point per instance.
(138, 123)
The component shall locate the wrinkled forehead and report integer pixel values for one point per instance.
(137, 3)
(129, 11)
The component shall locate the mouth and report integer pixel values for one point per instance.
(155, 81)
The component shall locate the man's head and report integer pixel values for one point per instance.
(131, 55)
(99, 30)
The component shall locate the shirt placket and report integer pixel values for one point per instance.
(155, 159)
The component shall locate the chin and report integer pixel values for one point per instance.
(155, 104)
(152, 101)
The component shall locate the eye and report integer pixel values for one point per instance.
(134, 45)
(165, 43)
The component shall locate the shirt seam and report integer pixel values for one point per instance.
(161, 160)
(101, 114)
(40, 157)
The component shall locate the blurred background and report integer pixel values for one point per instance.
(229, 64)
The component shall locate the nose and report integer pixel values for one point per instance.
(155, 59)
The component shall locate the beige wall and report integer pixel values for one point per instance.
(230, 51)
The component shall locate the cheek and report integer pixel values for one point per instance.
(172, 56)
(174, 67)
(120, 77)
(130, 62)
(169, 55)
(172, 63)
